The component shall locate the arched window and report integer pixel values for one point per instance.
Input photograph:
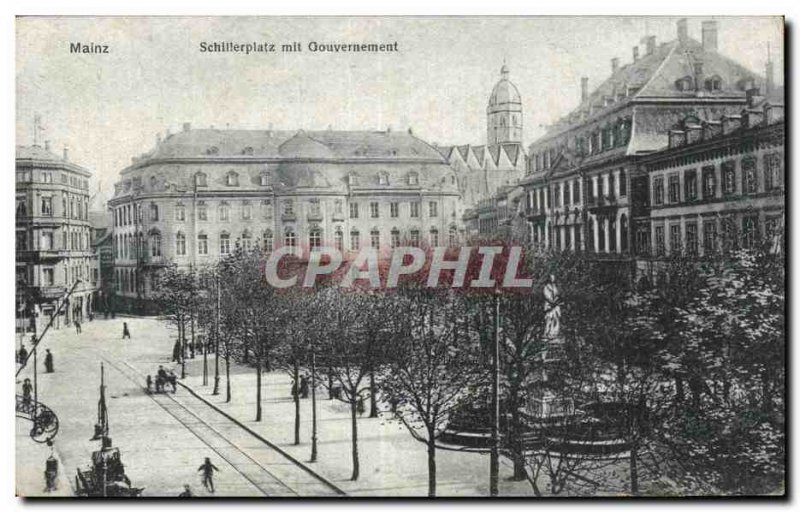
(314, 238)
(289, 237)
(268, 242)
(224, 243)
(180, 244)
(247, 241)
(355, 240)
(339, 239)
(155, 244)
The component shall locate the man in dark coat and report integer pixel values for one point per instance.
(208, 474)
(48, 361)
(125, 332)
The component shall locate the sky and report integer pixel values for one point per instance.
(110, 107)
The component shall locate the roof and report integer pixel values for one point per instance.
(36, 153)
(329, 144)
(654, 76)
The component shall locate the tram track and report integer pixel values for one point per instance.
(251, 469)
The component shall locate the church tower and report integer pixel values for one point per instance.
(504, 112)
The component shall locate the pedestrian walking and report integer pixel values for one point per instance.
(48, 361)
(176, 351)
(303, 387)
(27, 389)
(208, 474)
(77, 326)
(149, 383)
(187, 492)
(126, 333)
(22, 355)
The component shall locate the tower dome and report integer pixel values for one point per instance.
(504, 112)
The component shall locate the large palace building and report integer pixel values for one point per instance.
(199, 192)
(53, 239)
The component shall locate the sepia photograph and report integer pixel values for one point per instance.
(400, 256)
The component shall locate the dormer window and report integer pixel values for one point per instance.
(713, 84)
(247, 151)
(684, 84)
(153, 182)
(352, 179)
(232, 179)
(213, 150)
(200, 179)
(266, 179)
(383, 178)
(413, 178)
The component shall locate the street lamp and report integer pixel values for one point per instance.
(494, 455)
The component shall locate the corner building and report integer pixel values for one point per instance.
(200, 192)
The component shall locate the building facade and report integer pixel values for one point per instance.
(200, 192)
(53, 239)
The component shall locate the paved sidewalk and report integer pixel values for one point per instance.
(392, 462)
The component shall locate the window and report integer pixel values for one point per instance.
(773, 171)
(713, 84)
(47, 241)
(611, 191)
(601, 236)
(314, 208)
(266, 207)
(47, 276)
(414, 209)
(395, 237)
(352, 179)
(394, 209)
(453, 236)
(247, 210)
(749, 231)
(684, 84)
(623, 224)
(729, 233)
(375, 239)
(353, 210)
(224, 243)
(22, 241)
(153, 182)
(709, 236)
(268, 240)
(180, 212)
(433, 209)
(623, 183)
(658, 191)
(557, 195)
(383, 178)
(749, 176)
(434, 237)
(180, 244)
(247, 241)
(202, 211)
(355, 240)
(674, 189)
(266, 179)
(289, 238)
(47, 206)
(773, 231)
(155, 245)
(337, 206)
(224, 211)
(728, 178)
(675, 238)
(200, 179)
(338, 239)
(691, 238)
(153, 212)
(414, 238)
(709, 182)
(659, 241)
(314, 239)
(232, 179)
(373, 210)
(413, 178)
(690, 185)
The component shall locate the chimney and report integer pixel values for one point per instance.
(584, 88)
(710, 36)
(770, 84)
(66, 153)
(650, 43)
(635, 53)
(698, 75)
(187, 127)
(614, 65)
(683, 30)
(47, 145)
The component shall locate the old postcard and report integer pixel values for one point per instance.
(400, 256)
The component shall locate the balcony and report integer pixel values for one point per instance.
(602, 205)
(535, 214)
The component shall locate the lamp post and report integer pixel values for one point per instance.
(494, 455)
(216, 340)
(313, 405)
